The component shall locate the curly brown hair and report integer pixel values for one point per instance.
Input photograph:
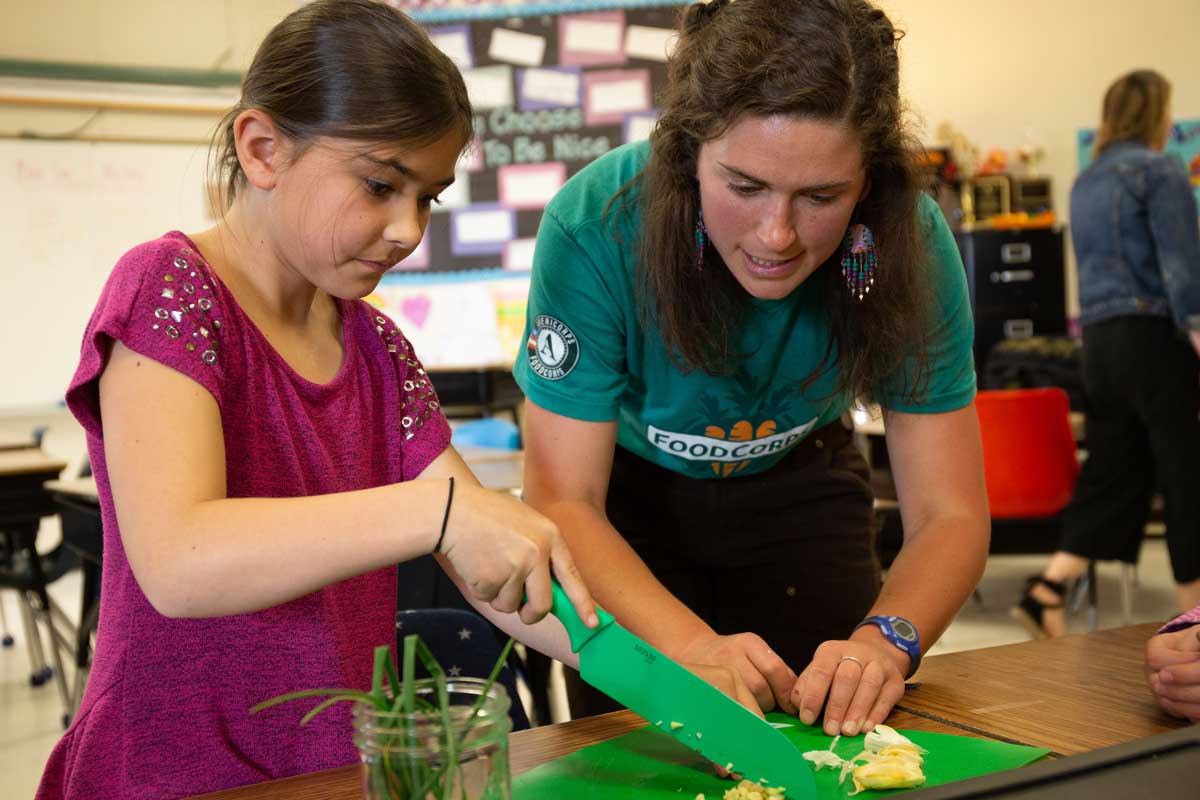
(827, 60)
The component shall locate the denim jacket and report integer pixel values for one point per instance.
(1137, 241)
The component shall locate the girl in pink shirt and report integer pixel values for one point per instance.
(267, 446)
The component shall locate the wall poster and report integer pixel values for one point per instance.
(554, 85)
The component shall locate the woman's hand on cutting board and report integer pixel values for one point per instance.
(858, 682)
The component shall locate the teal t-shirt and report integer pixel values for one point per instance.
(588, 356)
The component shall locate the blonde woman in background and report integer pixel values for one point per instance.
(1133, 220)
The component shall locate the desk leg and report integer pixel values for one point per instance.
(33, 643)
(89, 615)
(7, 641)
(39, 590)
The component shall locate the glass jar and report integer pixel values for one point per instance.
(407, 756)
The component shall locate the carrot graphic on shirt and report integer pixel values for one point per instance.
(741, 431)
(743, 397)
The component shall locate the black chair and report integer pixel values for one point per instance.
(23, 502)
(83, 534)
(421, 584)
(463, 643)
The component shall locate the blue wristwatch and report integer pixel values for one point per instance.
(901, 633)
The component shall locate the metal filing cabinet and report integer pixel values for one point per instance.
(1017, 284)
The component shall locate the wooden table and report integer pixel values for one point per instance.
(1070, 695)
(527, 749)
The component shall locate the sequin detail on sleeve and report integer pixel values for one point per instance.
(187, 291)
(418, 400)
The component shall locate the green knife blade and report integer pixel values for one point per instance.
(681, 704)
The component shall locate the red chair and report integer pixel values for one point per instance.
(1029, 460)
(1030, 467)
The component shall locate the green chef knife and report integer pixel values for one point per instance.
(681, 704)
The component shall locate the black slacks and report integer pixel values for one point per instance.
(1143, 430)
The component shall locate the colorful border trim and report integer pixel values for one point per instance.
(434, 16)
(426, 277)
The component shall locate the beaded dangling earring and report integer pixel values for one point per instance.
(859, 259)
(701, 239)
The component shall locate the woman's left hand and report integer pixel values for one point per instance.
(858, 682)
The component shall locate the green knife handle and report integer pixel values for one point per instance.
(577, 632)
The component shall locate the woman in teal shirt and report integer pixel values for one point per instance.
(703, 311)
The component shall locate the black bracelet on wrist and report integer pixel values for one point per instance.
(437, 548)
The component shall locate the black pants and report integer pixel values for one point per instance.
(787, 554)
(1143, 388)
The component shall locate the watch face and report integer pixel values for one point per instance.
(904, 630)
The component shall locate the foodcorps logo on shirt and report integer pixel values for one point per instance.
(707, 448)
(552, 347)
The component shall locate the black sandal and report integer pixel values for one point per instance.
(1031, 612)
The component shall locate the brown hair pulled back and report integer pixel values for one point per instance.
(349, 69)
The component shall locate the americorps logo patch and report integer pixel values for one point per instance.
(552, 347)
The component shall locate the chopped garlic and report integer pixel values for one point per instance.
(752, 791)
(890, 761)
(883, 736)
(699, 735)
(888, 773)
(907, 752)
(824, 758)
(676, 725)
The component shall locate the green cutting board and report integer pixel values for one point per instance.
(657, 766)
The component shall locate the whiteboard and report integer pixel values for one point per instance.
(68, 211)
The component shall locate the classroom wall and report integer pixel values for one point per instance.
(1002, 73)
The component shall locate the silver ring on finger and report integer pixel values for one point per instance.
(855, 660)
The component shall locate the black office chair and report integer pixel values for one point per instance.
(463, 643)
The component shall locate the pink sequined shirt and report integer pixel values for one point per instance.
(165, 713)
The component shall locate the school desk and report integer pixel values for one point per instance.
(496, 469)
(1070, 695)
(8, 443)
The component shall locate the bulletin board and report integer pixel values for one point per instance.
(553, 86)
(1183, 143)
